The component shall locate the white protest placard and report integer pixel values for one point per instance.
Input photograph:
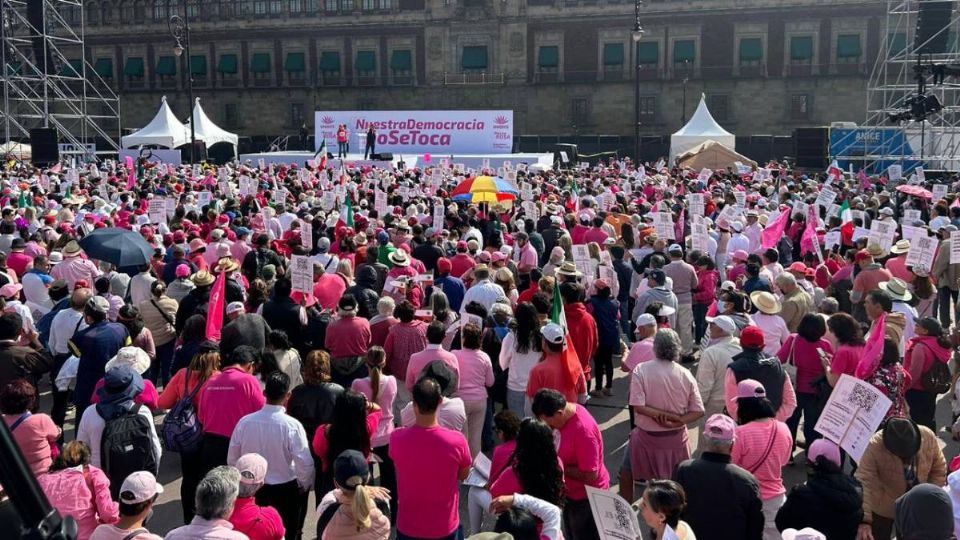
(480, 472)
(727, 215)
(882, 233)
(860, 232)
(171, 204)
(695, 204)
(852, 415)
(832, 239)
(306, 234)
(922, 251)
(704, 175)
(261, 164)
(940, 192)
(380, 202)
(698, 237)
(526, 191)
(580, 252)
(741, 198)
(895, 172)
(826, 197)
(279, 196)
(439, 215)
(301, 273)
(614, 517)
(663, 223)
(955, 247)
(832, 210)
(469, 318)
(909, 232)
(158, 211)
(328, 200)
(204, 198)
(921, 177)
(909, 216)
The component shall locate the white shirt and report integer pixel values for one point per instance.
(519, 363)
(754, 234)
(37, 294)
(18, 307)
(484, 292)
(91, 427)
(62, 328)
(910, 328)
(140, 287)
(775, 331)
(280, 439)
(451, 414)
(327, 261)
(737, 241)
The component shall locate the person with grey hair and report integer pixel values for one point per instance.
(741, 508)
(665, 398)
(795, 302)
(216, 496)
(381, 323)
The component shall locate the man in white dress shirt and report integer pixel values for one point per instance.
(282, 441)
(754, 232)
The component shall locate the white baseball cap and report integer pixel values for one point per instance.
(252, 468)
(234, 307)
(646, 319)
(553, 333)
(806, 533)
(724, 323)
(139, 487)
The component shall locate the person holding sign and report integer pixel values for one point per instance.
(946, 274)
(898, 457)
(661, 506)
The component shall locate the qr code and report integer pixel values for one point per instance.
(862, 397)
(622, 517)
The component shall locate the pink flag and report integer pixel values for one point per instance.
(955, 203)
(873, 351)
(775, 230)
(864, 181)
(56, 168)
(810, 232)
(217, 307)
(131, 173)
(679, 226)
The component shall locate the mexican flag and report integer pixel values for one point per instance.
(557, 314)
(346, 212)
(320, 158)
(847, 226)
(569, 359)
(573, 202)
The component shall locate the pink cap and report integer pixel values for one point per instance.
(749, 388)
(139, 487)
(10, 290)
(253, 468)
(720, 427)
(498, 257)
(601, 283)
(484, 257)
(826, 448)
(740, 254)
(183, 271)
(197, 244)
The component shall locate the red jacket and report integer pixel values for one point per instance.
(706, 292)
(583, 334)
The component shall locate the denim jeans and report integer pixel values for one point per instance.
(515, 401)
(944, 294)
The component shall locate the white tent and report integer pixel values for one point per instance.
(164, 130)
(209, 132)
(701, 128)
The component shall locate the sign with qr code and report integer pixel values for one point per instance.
(852, 415)
(616, 519)
(301, 274)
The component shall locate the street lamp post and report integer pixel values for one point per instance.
(180, 28)
(683, 103)
(636, 34)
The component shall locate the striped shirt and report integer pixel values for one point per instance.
(750, 452)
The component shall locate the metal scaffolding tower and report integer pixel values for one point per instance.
(935, 143)
(48, 81)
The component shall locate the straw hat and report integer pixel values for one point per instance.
(202, 278)
(765, 302)
(568, 269)
(227, 264)
(902, 246)
(72, 249)
(897, 289)
(876, 251)
(399, 258)
(134, 357)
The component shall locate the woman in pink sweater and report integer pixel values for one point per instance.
(76, 488)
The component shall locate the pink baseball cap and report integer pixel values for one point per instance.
(139, 487)
(183, 271)
(740, 254)
(253, 468)
(498, 256)
(826, 448)
(749, 388)
(720, 427)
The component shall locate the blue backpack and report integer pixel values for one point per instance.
(182, 430)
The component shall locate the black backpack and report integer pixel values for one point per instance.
(937, 379)
(126, 446)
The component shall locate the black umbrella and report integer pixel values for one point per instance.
(120, 247)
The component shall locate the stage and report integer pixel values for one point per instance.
(469, 161)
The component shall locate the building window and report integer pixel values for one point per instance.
(648, 54)
(474, 59)
(684, 52)
(296, 114)
(613, 57)
(231, 115)
(193, 10)
(801, 50)
(719, 105)
(548, 59)
(848, 49)
(126, 13)
(227, 67)
(369, 5)
(133, 71)
(799, 107)
(897, 43)
(366, 64)
(166, 70)
(648, 108)
(160, 10)
(346, 5)
(751, 51)
(260, 68)
(106, 13)
(296, 67)
(384, 5)
(580, 111)
(104, 67)
(274, 7)
(401, 66)
(330, 68)
(93, 14)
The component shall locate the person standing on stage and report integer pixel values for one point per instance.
(371, 143)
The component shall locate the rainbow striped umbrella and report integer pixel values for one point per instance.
(488, 189)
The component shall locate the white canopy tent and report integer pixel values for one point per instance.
(209, 132)
(164, 130)
(701, 128)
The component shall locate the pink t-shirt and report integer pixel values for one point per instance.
(228, 397)
(419, 360)
(845, 360)
(476, 374)
(501, 457)
(429, 462)
(807, 360)
(640, 352)
(34, 436)
(581, 446)
(750, 452)
(149, 397)
(388, 393)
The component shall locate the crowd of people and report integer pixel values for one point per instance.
(373, 336)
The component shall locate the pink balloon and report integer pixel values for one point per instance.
(427, 158)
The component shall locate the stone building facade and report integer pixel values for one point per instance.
(565, 67)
